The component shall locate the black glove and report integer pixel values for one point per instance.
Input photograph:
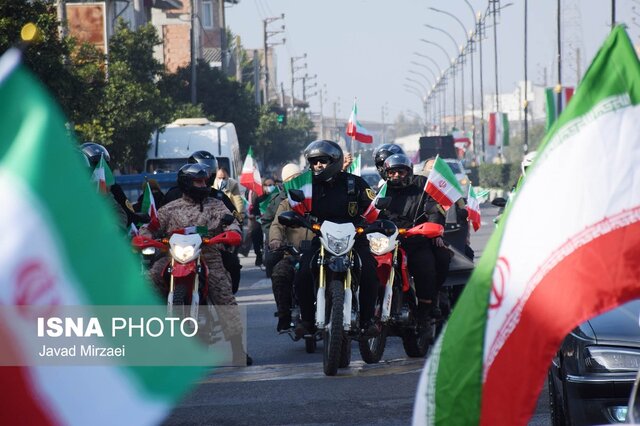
(462, 214)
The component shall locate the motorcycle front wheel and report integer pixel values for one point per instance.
(332, 334)
(372, 349)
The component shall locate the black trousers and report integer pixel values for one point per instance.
(429, 266)
(369, 284)
(232, 264)
(257, 238)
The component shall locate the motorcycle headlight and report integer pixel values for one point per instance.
(183, 253)
(378, 243)
(611, 360)
(337, 245)
(148, 251)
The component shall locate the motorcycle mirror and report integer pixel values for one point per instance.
(499, 202)
(227, 219)
(290, 218)
(296, 195)
(382, 203)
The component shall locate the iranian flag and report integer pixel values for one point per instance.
(56, 257)
(442, 184)
(498, 129)
(250, 176)
(551, 103)
(355, 129)
(355, 167)
(473, 208)
(149, 207)
(544, 271)
(103, 176)
(303, 183)
(372, 213)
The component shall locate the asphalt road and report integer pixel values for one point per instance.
(286, 386)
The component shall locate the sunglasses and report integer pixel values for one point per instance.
(321, 160)
(397, 172)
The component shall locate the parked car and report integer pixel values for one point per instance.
(593, 372)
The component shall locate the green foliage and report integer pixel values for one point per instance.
(502, 176)
(48, 56)
(515, 151)
(277, 144)
(221, 98)
(131, 106)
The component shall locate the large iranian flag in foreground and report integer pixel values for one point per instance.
(51, 255)
(546, 270)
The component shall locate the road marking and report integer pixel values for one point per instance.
(313, 370)
(256, 299)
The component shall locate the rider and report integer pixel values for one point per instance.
(197, 208)
(339, 197)
(93, 152)
(229, 258)
(383, 152)
(411, 205)
(284, 269)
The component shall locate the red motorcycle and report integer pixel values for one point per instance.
(186, 273)
(397, 305)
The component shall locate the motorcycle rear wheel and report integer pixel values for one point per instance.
(332, 335)
(416, 344)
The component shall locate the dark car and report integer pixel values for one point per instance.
(592, 374)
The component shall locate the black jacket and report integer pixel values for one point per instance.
(410, 205)
(335, 202)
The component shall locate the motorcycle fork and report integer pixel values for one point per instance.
(347, 317)
(388, 289)
(170, 296)
(320, 296)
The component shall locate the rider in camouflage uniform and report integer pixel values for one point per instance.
(196, 208)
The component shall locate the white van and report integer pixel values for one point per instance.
(170, 149)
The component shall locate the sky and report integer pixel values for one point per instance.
(364, 48)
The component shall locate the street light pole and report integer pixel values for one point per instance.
(495, 47)
(480, 23)
(453, 72)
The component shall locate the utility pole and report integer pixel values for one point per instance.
(294, 59)
(559, 86)
(194, 82)
(495, 45)
(321, 114)
(266, 35)
(223, 37)
(256, 76)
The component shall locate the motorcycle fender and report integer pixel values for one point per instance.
(182, 270)
(384, 265)
(339, 264)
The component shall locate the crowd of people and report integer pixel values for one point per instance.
(204, 193)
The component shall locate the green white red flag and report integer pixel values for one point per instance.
(69, 259)
(473, 209)
(372, 213)
(304, 184)
(551, 103)
(442, 184)
(544, 271)
(355, 167)
(149, 207)
(103, 176)
(498, 129)
(250, 176)
(355, 129)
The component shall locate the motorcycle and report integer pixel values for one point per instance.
(186, 273)
(336, 286)
(396, 305)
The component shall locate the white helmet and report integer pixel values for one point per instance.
(527, 161)
(290, 171)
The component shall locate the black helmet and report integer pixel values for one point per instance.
(206, 158)
(93, 151)
(329, 150)
(382, 153)
(190, 172)
(398, 162)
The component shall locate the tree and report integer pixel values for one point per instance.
(131, 106)
(277, 144)
(222, 99)
(48, 56)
